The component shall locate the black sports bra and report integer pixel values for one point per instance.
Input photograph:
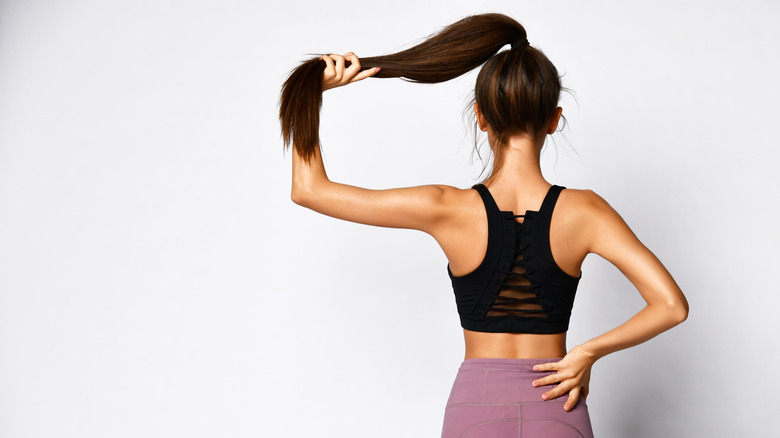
(518, 287)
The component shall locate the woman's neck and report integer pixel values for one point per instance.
(518, 166)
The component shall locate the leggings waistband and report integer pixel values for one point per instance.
(519, 364)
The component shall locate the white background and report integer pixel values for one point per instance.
(157, 281)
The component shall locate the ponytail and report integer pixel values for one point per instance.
(447, 54)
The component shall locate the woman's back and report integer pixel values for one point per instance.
(464, 235)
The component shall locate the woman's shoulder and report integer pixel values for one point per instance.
(589, 214)
(456, 196)
(583, 209)
(586, 201)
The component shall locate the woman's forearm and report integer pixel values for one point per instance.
(649, 322)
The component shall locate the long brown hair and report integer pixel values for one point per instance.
(517, 90)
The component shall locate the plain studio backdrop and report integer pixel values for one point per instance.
(157, 281)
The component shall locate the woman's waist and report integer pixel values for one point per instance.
(482, 345)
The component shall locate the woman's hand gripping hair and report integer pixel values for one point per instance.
(337, 74)
(573, 374)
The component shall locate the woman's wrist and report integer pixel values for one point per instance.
(587, 351)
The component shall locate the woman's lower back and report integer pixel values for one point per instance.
(514, 345)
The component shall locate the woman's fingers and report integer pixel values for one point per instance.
(337, 74)
(328, 76)
(330, 69)
(556, 392)
(563, 379)
(354, 67)
(339, 67)
(354, 73)
(551, 366)
(366, 73)
(552, 378)
(549, 380)
(572, 400)
(572, 373)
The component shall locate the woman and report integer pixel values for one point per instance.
(514, 275)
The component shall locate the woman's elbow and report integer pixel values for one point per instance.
(679, 310)
(297, 196)
(300, 195)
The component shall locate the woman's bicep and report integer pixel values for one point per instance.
(612, 239)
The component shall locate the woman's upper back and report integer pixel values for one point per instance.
(513, 272)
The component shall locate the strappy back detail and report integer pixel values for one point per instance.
(518, 287)
(490, 202)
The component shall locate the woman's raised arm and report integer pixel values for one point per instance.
(420, 208)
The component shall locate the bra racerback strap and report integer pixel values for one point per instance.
(487, 198)
(549, 201)
(543, 223)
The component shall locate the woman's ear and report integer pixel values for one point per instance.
(554, 119)
(480, 118)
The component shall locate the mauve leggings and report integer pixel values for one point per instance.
(493, 398)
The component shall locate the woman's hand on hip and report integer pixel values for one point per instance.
(573, 376)
(336, 74)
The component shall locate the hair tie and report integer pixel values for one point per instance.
(518, 44)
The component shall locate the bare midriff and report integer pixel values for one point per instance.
(514, 345)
